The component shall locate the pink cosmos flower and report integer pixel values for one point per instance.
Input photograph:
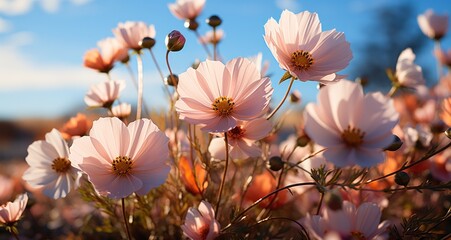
(261, 66)
(433, 25)
(200, 224)
(50, 167)
(186, 9)
(120, 159)
(12, 211)
(352, 126)
(241, 139)
(444, 57)
(209, 38)
(6, 188)
(408, 74)
(218, 95)
(304, 50)
(349, 222)
(290, 152)
(426, 113)
(104, 94)
(131, 33)
(122, 111)
(111, 50)
(441, 166)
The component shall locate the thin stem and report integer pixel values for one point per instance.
(169, 68)
(202, 43)
(140, 86)
(283, 100)
(215, 57)
(161, 74)
(392, 91)
(424, 158)
(267, 196)
(132, 76)
(129, 237)
(320, 203)
(439, 65)
(221, 187)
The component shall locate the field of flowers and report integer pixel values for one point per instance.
(220, 163)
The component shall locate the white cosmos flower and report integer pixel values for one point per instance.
(50, 167)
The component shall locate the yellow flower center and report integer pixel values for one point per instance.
(358, 235)
(223, 106)
(236, 132)
(122, 165)
(352, 136)
(301, 60)
(61, 165)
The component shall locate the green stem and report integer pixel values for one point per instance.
(267, 196)
(283, 100)
(140, 86)
(161, 74)
(202, 43)
(424, 158)
(215, 57)
(221, 187)
(129, 236)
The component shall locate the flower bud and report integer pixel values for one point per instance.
(172, 80)
(302, 141)
(191, 24)
(362, 81)
(147, 42)
(448, 133)
(175, 41)
(402, 178)
(214, 21)
(295, 97)
(395, 145)
(275, 163)
(333, 200)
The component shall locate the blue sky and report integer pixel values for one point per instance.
(42, 43)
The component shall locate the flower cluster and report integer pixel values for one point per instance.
(223, 163)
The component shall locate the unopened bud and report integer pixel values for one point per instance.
(175, 41)
(402, 178)
(333, 200)
(320, 85)
(195, 64)
(448, 133)
(395, 145)
(147, 42)
(214, 21)
(438, 126)
(295, 96)
(191, 24)
(172, 80)
(362, 81)
(125, 59)
(275, 163)
(302, 141)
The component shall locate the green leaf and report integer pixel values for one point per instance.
(285, 77)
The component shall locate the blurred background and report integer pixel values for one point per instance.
(42, 43)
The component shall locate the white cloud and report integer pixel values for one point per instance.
(292, 5)
(5, 26)
(19, 71)
(50, 6)
(15, 7)
(79, 2)
(20, 7)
